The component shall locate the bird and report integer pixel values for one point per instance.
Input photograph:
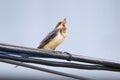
(55, 37)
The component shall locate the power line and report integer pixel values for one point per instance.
(43, 69)
(32, 52)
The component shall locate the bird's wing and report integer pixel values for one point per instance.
(48, 38)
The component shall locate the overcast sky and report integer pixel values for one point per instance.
(93, 30)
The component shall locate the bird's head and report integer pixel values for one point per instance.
(62, 25)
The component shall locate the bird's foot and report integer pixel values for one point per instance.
(58, 52)
(64, 53)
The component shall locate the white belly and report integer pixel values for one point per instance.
(55, 42)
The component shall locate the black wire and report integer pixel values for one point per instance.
(58, 64)
(43, 69)
(60, 55)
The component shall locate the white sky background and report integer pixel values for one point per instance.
(93, 30)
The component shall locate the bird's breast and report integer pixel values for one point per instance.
(58, 39)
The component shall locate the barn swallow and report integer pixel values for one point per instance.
(55, 37)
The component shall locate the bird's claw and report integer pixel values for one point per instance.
(59, 52)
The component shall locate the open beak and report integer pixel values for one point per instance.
(64, 21)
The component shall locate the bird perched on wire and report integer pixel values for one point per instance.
(55, 37)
